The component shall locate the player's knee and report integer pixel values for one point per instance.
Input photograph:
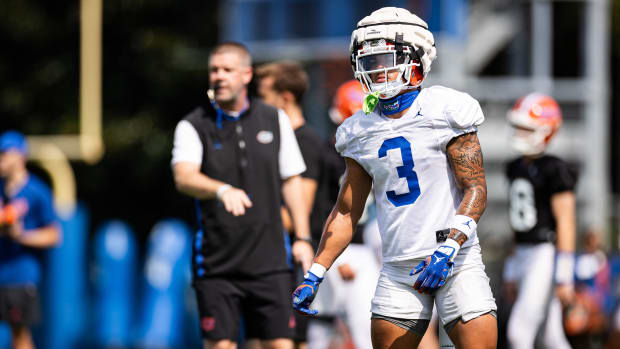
(480, 332)
(278, 343)
(219, 344)
(387, 332)
(19, 330)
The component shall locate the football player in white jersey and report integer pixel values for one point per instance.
(418, 150)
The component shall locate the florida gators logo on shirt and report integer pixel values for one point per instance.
(264, 137)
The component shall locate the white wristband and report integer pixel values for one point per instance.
(220, 191)
(464, 224)
(317, 270)
(564, 268)
(450, 243)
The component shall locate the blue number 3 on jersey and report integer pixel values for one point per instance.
(404, 171)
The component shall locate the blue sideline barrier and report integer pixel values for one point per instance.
(162, 312)
(114, 270)
(5, 336)
(64, 293)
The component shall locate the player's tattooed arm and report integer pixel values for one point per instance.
(465, 158)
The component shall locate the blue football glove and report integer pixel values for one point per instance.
(435, 269)
(304, 294)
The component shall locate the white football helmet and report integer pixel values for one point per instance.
(391, 50)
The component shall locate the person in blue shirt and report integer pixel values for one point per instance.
(27, 224)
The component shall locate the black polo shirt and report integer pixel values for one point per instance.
(244, 153)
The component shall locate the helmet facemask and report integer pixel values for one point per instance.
(385, 68)
(528, 142)
(527, 138)
(407, 46)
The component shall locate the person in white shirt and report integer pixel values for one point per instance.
(418, 150)
(239, 158)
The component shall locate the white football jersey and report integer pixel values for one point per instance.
(415, 190)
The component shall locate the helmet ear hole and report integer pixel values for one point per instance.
(417, 76)
(550, 135)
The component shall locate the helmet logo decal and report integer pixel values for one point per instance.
(535, 118)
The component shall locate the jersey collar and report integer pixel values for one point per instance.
(220, 115)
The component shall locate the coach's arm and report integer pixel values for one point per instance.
(301, 248)
(190, 181)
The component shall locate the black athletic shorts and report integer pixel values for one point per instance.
(265, 304)
(19, 305)
(301, 328)
(301, 321)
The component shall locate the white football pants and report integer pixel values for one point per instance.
(349, 300)
(532, 268)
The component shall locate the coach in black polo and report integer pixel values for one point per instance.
(239, 159)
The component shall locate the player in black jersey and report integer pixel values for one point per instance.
(542, 216)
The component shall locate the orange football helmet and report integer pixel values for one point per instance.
(347, 101)
(535, 118)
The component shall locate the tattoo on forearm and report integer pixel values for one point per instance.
(465, 158)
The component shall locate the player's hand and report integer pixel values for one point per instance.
(565, 293)
(302, 253)
(235, 201)
(434, 269)
(346, 272)
(304, 294)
